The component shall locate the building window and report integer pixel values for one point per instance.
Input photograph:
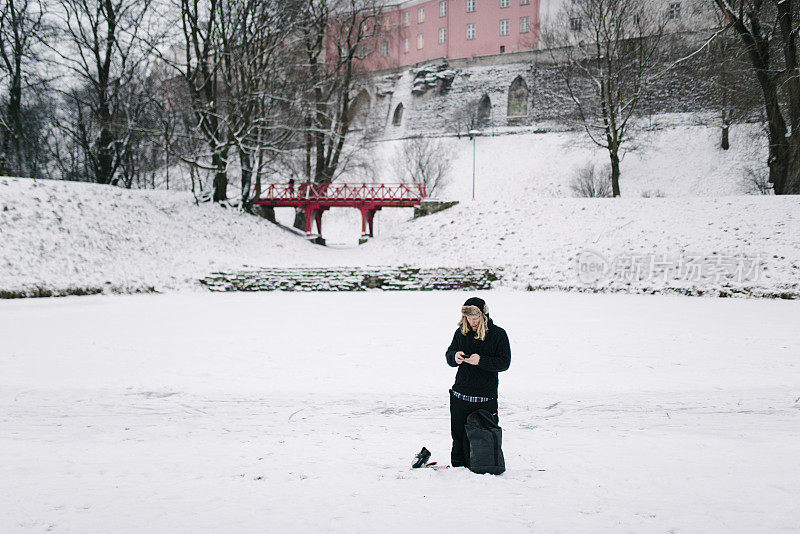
(420, 41)
(505, 3)
(385, 48)
(505, 26)
(421, 15)
(524, 24)
(575, 24)
(524, 2)
(518, 94)
(405, 45)
(471, 5)
(442, 35)
(386, 23)
(406, 18)
(484, 115)
(397, 119)
(470, 31)
(443, 8)
(674, 12)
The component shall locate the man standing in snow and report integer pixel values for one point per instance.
(480, 349)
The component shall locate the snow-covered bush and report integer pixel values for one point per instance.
(653, 193)
(755, 181)
(590, 182)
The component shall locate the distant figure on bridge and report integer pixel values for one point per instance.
(291, 187)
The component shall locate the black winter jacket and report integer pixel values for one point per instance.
(495, 356)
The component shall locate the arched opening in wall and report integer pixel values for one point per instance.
(484, 111)
(518, 102)
(397, 118)
(358, 111)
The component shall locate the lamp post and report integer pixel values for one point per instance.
(473, 134)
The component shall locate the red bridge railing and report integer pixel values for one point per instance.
(316, 198)
(296, 194)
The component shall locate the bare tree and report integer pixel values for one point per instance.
(719, 73)
(101, 46)
(142, 157)
(21, 28)
(768, 30)
(608, 51)
(262, 115)
(424, 161)
(199, 67)
(235, 60)
(467, 117)
(733, 94)
(335, 36)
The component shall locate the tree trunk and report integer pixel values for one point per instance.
(758, 50)
(792, 179)
(725, 144)
(105, 156)
(778, 160)
(15, 118)
(220, 163)
(247, 175)
(248, 203)
(614, 172)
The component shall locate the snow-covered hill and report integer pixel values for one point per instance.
(700, 242)
(67, 237)
(63, 237)
(673, 155)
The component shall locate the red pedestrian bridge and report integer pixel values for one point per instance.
(316, 198)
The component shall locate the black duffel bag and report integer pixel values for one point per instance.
(485, 443)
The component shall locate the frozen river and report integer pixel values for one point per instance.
(288, 412)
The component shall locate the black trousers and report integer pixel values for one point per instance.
(459, 410)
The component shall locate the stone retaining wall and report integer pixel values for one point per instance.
(351, 279)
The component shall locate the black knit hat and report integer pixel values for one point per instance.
(478, 303)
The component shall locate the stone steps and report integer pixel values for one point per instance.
(351, 279)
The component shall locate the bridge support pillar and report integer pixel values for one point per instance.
(367, 220)
(314, 214)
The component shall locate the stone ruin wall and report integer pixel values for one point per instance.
(436, 97)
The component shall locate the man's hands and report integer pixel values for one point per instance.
(472, 360)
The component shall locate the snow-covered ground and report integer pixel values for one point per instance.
(287, 412)
(66, 237)
(706, 245)
(59, 236)
(674, 155)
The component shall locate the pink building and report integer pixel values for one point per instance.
(423, 30)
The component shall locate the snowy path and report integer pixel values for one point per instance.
(262, 413)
